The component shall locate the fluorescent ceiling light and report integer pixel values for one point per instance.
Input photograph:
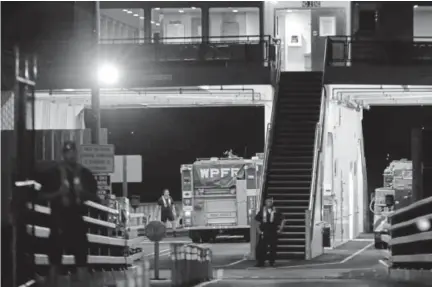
(136, 15)
(125, 10)
(152, 22)
(193, 8)
(415, 6)
(141, 17)
(235, 10)
(157, 8)
(129, 12)
(181, 11)
(289, 11)
(157, 24)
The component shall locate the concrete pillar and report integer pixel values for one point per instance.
(267, 118)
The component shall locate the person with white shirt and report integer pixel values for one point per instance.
(270, 224)
(167, 210)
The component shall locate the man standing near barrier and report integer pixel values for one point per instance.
(270, 224)
(167, 210)
(67, 187)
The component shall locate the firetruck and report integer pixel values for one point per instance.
(395, 194)
(219, 195)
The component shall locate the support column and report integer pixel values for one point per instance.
(95, 93)
(268, 107)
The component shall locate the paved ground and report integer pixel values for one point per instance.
(354, 264)
(307, 283)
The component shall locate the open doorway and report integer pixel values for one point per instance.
(303, 33)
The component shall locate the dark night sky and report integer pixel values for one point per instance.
(169, 137)
(387, 130)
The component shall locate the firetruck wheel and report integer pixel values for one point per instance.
(195, 236)
(247, 237)
(206, 237)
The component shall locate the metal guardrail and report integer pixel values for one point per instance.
(253, 49)
(106, 249)
(346, 51)
(191, 264)
(411, 236)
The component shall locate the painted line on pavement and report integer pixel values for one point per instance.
(328, 263)
(356, 253)
(208, 283)
(232, 263)
(363, 240)
(384, 263)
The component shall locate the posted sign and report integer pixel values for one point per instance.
(103, 184)
(98, 158)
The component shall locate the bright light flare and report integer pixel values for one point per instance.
(108, 74)
(423, 224)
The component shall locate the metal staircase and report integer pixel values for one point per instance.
(291, 156)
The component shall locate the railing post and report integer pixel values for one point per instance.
(308, 239)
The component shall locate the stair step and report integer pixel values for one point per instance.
(283, 163)
(294, 147)
(287, 240)
(291, 170)
(294, 195)
(290, 201)
(293, 158)
(295, 220)
(291, 255)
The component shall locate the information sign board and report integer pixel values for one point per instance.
(98, 158)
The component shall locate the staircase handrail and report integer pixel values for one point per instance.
(319, 135)
(269, 138)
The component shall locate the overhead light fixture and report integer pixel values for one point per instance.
(129, 12)
(125, 10)
(136, 15)
(235, 10)
(142, 17)
(152, 22)
(181, 11)
(108, 74)
(415, 6)
(157, 8)
(289, 11)
(157, 24)
(193, 8)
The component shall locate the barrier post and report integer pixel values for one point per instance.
(156, 260)
(145, 279)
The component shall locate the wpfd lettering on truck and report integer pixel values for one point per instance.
(218, 196)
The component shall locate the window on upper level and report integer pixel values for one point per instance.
(122, 24)
(176, 25)
(234, 24)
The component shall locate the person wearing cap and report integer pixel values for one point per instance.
(67, 186)
(270, 224)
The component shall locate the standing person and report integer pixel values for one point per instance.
(67, 187)
(167, 210)
(270, 224)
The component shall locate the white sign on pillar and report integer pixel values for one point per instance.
(133, 168)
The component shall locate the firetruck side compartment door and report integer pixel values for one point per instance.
(241, 193)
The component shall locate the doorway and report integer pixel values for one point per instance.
(303, 33)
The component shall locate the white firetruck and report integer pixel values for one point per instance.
(219, 195)
(395, 194)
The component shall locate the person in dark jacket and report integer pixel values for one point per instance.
(67, 186)
(270, 224)
(167, 210)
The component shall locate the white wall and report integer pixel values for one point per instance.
(297, 23)
(423, 23)
(271, 6)
(248, 22)
(184, 19)
(345, 126)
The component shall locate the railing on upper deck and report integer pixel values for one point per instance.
(347, 51)
(250, 49)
